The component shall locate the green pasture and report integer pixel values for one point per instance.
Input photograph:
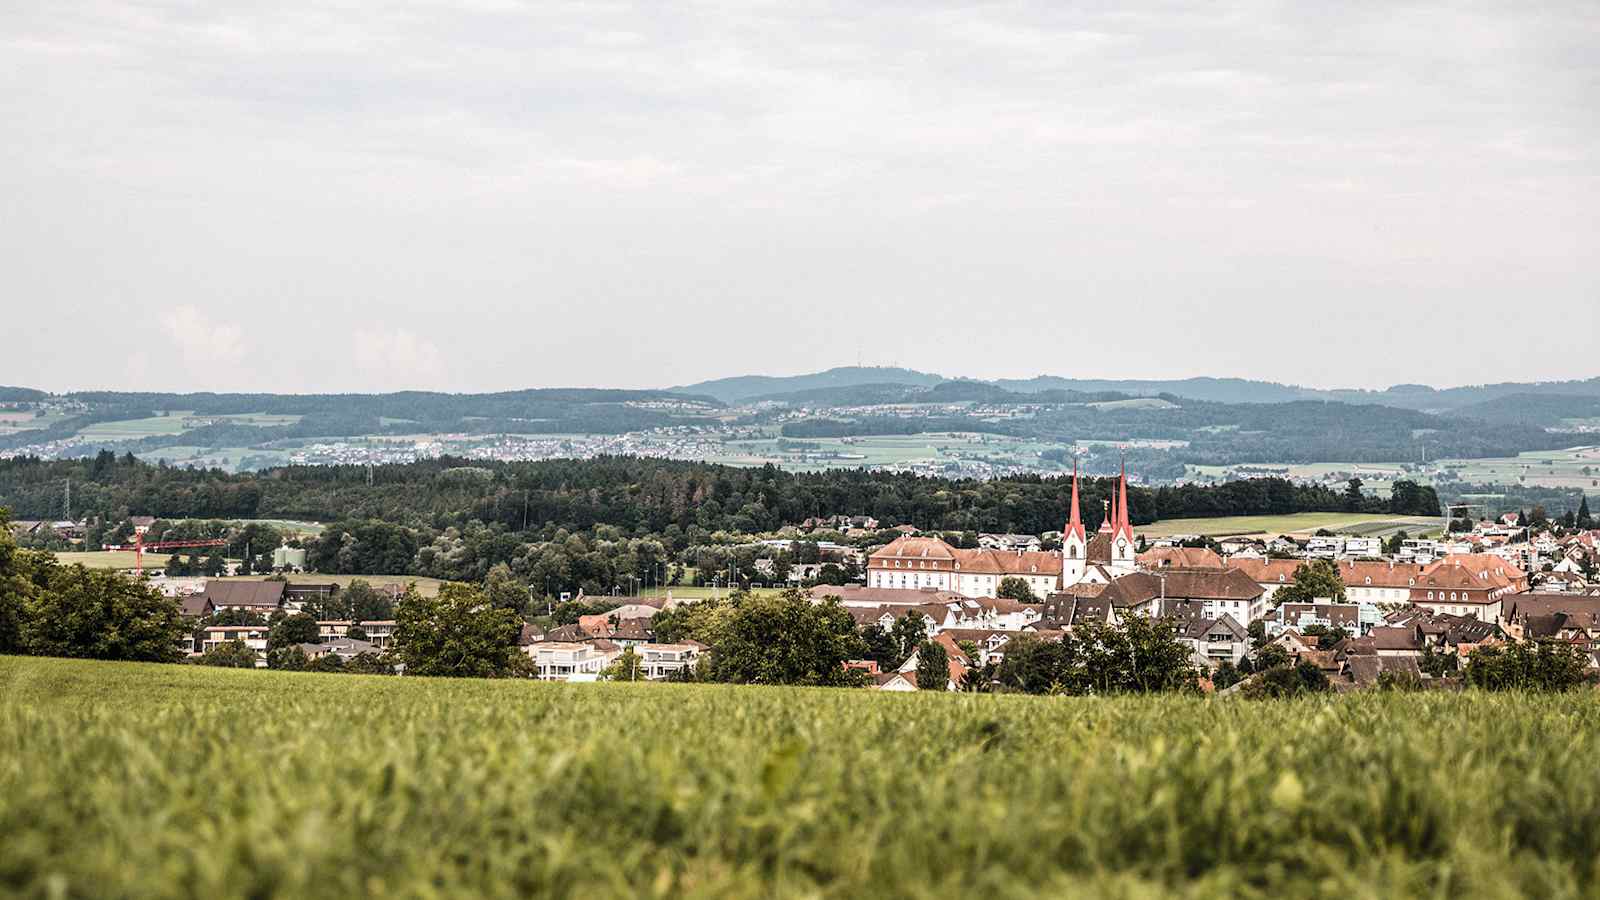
(122, 780)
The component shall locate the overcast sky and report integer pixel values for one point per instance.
(486, 194)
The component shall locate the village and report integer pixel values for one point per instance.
(1360, 610)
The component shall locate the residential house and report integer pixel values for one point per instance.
(1212, 642)
(571, 660)
(1219, 591)
(252, 636)
(261, 597)
(662, 660)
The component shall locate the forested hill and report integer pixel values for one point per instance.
(541, 411)
(639, 496)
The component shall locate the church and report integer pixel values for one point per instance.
(912, 563)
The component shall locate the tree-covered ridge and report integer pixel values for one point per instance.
(636, 495)
(542, 411)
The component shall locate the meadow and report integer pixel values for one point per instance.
(137, 780)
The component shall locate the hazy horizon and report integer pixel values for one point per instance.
(490, 196)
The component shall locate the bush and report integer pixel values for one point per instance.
(229, 655)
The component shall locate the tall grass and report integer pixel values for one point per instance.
(129, 780)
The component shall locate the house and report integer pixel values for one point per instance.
(1219, 591)
(379, 633)
(296, 596)
(1294, 643)
(252, 636)
(662, 660)
(930, 562)
(571, 660)
(1212, 642)
(1364, 671)
(261, 597)
(344, 648)
(1459, 586)
(1180, 558)
(195, 606)
(1542, 615)
(1396, 641)
(1346, 616)
(1068, 609)
(990, 643)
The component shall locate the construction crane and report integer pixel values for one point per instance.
(139, 547)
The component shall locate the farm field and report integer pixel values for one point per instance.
(111, 559)
(1361, 524)
(125, 780)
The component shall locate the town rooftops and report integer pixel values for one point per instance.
(1180, 558)
(856, 595)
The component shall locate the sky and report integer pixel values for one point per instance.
(484, 194)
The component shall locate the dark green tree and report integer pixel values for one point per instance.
(1015, 588)
(785, 639)
(100, 615)
(296, 628)
(1313, 580)
(933, 667)
(456, 633)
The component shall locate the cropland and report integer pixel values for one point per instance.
(138, 780)
(1359, 524)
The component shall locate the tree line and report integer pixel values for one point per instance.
(639, 496)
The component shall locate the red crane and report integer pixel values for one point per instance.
(139, 547)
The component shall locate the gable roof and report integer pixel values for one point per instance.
(259, 594)
(1187, 584)
(1180, 558)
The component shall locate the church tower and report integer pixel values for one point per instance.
(1074, 540)
(1122, 542)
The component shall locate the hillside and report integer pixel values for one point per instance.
(745, 387)
(1536, 410)
(125, 780)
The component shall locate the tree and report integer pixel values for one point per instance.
(100, 615)
(288, 659)
(504, 590)
(933, 667)
(1313, 580)
(1286, 681)
(229, 655)
(456, 634)
(369, 663)
(626, 667)
(784, 639)
(356, 633)
(366, 603)
(293, 629)
(327, 662)
(1546, 666)
(1015, 588)
(1584, 520)
(1136, 656)
(1352, 496)
(1226, 675)
(1257, 631)
(1393, 544)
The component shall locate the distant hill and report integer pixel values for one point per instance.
(746, 387)
(1215, 390)
(1538, 410)
(20, 395)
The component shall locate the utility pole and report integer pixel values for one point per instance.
(66, 503)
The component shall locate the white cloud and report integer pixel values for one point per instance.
(397, 359)
(202, 341)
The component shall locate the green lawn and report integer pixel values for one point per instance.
(135, 780)
(1299, 523)
(130, 429)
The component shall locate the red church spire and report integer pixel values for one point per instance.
(1124, 523)
(1075, 521)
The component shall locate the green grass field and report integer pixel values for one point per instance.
(135, 780)
(112, 559)
(1364, 524)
